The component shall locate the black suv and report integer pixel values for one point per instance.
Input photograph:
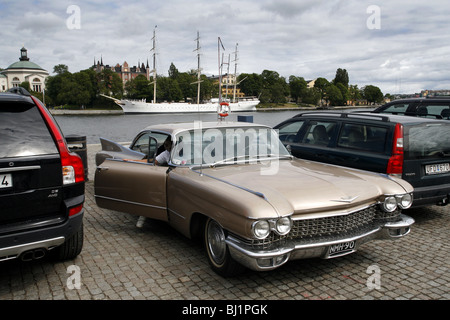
(412, 148)
(41, 183)
(431, 107)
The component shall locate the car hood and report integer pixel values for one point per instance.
(299, 186)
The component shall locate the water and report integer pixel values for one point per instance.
(123, 128)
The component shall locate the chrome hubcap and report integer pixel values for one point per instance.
(216, 242)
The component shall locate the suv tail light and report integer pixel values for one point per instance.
(72, 165)
(395, 163)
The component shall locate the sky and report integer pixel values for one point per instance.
(398, 46)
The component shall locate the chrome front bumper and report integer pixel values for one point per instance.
(261, 260)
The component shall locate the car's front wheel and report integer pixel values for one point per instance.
(217, 250)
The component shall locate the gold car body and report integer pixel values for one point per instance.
(329, 210)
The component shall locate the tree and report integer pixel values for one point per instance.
(252, 85)
(372, 94)
(341, 77)
(297, 86)
(60, 69)
(334, 95)
(173, 72)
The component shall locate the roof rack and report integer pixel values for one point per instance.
(346, 115)
(19, 90)
(438, 97)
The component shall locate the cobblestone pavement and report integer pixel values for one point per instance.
(122, 262)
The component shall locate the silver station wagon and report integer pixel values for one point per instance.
(236, 186)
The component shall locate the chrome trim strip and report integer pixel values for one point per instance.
(15, 251)
(259, 194)
(131, 202)
(11, 169)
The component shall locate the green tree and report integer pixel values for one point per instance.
(334, 95)
(341, 77)
(250, 84)
(173, 72)
(60, 69)
(311, 96)
(372, 94)
(109, 83)
(139, 88)
(297, 86)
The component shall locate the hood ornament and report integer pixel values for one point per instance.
(346, 199)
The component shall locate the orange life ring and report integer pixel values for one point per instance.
(224, 111)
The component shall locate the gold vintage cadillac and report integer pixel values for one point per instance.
(253, 204)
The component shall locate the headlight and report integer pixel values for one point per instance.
(283, 225)
(405, 201)
(389, 204)
(261, 229)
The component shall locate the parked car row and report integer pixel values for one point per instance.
(322, 186)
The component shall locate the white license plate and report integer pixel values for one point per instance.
(341, 248)
(5, 180)
(437, 168)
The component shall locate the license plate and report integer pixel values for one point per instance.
(5, 180)
(340, 248)
(437, 168)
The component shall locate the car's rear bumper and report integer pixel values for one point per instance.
(432, 195)
(13, 245)
(261, 260)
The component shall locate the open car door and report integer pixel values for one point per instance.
(132, 186)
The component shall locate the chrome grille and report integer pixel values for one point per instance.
(305, 228)
(320, 228)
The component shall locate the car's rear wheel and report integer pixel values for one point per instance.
(71, 248)
(217, 250)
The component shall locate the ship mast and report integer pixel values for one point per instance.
(154, 65)
(235, 72)
(198, 68)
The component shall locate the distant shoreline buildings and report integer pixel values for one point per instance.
(125, 72)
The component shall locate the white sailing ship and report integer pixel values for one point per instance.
(142, 106)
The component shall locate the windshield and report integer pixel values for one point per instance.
(226, 145)
(428, 141)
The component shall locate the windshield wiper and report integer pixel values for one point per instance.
(444, 154)
(256, 157)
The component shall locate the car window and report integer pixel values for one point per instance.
(290, 131)
(434, 110)
(363, 137)
(397, 108)
(319, 132)
(226, 145)
(23, 132)
(427, 141)
(141, 143)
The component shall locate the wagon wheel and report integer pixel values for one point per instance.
(217, 250)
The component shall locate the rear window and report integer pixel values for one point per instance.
(23, 131)
(363, 137)
(427, 141)
(397, 108)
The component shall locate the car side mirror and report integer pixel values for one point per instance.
(152, 148)
(289, 149)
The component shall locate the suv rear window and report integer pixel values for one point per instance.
(427, 141)
(23, 132)
(363, 137)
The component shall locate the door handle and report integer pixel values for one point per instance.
(99, 168)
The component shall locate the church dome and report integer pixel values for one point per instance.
(24, 65)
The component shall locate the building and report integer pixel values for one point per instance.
(228, 86)
(21, 71)
(125, 72)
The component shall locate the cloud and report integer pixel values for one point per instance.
(410, 50)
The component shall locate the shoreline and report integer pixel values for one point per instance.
(60, 112)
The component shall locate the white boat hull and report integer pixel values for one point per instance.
(133, 106)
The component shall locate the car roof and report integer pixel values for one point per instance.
(13, 97)
(385, 117)
(174, 128)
